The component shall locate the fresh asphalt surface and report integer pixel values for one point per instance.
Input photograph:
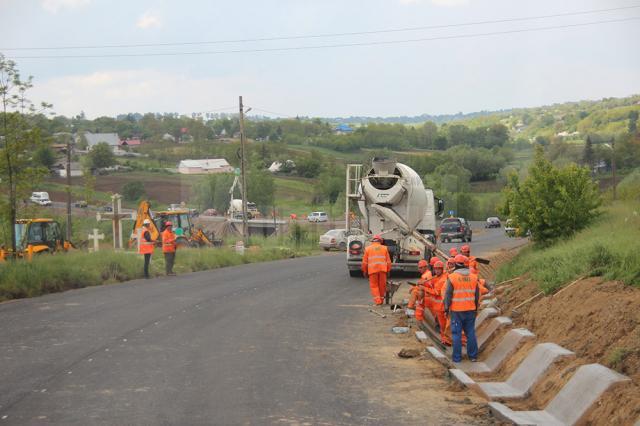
(239, 345)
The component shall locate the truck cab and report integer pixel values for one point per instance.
(40, 198)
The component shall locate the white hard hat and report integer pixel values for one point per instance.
(146, 222)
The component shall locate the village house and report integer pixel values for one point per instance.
(206, 166)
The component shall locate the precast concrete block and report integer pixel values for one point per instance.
(485, 314)
(507, 346)
(422, 336)
(571, 404)
(494, 325)
(530, 371)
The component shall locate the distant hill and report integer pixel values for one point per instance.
(418, 119)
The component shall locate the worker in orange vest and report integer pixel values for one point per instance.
(461, 300)
(169, 248)
(413, 293)
(146, 246)
(439, 280)
(376, 263)
(465, 250)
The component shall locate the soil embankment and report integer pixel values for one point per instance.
(598, 320)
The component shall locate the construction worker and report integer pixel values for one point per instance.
(437, 302)
(461, 300)
(146, 245)
(465, 250)
(375, 264)
(418, 299)
(169, 248)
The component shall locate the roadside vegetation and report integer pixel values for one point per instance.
(608, 248)
(55, 273)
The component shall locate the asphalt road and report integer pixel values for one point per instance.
(255, 344)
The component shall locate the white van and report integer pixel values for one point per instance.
(318, 217)
(40, 198)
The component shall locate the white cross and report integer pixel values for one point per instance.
(95, 237)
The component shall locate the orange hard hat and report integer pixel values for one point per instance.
(438, 265)
(465, 249)
(433, 260)
(422, 263)
(453, 251)
(168, 223)
(377, 237)
(461, 259)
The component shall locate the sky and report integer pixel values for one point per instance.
(407, 71)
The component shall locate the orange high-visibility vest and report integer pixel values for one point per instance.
(376, 259)
(168, 241)
(146, 247)
(437, 301)
(464, 292)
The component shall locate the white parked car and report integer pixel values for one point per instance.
(337, 239)
(318, 217)
(40, 198)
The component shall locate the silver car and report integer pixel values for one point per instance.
(336, 238)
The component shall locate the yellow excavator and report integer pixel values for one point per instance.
(37, 236)
(182, 226)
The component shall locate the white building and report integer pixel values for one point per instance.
(207, 166)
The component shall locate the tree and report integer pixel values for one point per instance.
(19, 137)
(552, 203)
(588, 155)
(310, 166)
(633, 121)
(261, 188)
(44, 156)
(133, 191)
(101, 156)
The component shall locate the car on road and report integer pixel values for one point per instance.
(80, 203)
(106, 208)
(337, 239)
(318, 217)
(40, 198)
(492, 222)
(509, 228)
(455, 228)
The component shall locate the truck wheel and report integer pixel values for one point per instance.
(342, 246)
(326, 248)
(355, 273)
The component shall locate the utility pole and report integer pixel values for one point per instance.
(69, 187)
(613, 165)
(245, 225)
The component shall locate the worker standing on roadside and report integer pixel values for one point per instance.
(146, 245)
(169, 248)
(465, 250)
(461, 301)
(375, 264)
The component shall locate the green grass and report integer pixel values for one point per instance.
(295, 195)
(338, 155)
(60, 272)
(608, 248)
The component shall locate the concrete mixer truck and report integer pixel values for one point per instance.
(392, 202)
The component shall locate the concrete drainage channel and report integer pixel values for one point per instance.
(569, 406)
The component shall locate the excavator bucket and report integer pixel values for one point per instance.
(144, 212)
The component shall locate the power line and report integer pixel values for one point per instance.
(343, 34)
(330, 46)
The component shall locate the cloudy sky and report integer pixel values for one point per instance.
(400, 64)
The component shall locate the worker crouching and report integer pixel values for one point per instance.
(376, 263)
(169, 248)
(461, 301)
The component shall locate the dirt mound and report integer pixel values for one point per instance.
(600, 322)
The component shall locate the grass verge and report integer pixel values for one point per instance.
(55, 273)
(608, 248)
